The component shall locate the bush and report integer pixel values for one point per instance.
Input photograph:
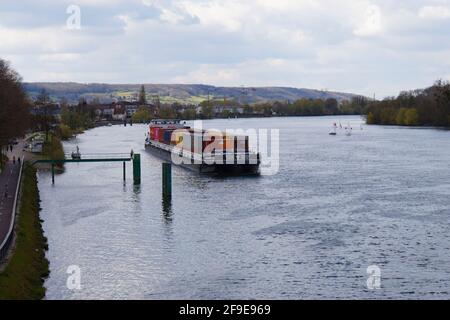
(54, 150)
(370, 118)
(411, 117)
(142, 115)
(400, 118)
(65, 132)
(387, 116)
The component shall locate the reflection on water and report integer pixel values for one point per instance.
(167, 208)
(337, 205)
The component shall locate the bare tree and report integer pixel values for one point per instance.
(14, 105)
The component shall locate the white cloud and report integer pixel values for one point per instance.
(434, 12)
(229, 15)
(44, 40)
(170, 16)
(372, 22)
(356, 45)
(59, 57)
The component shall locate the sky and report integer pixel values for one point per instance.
(360, 46)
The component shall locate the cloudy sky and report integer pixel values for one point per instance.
(359, 46)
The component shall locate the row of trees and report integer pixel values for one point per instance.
(301, 107)
(314, 107)
(79, 117)
(428, 107)
(14, 105)
(82, 116)
(74, 119)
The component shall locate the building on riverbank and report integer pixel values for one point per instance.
(120, 111)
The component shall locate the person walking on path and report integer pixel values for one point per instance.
(14, 159)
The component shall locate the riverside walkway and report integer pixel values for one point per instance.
(9, 179)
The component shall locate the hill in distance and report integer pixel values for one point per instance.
(170, 93)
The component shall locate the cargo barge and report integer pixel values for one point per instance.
(203, 151)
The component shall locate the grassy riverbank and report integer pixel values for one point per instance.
(24, 276)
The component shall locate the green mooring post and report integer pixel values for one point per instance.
(137, 168)
(53, 172)
(167, 179)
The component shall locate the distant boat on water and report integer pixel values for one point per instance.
(348, 130)
(76, 155)
(333, 131)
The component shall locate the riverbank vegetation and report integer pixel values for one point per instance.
(24, 275)
(53, 149)
(427, 107)
(308, 107)
(142, 115)
(302, 107)
(72, 120)
(77, 119)
(14, 105)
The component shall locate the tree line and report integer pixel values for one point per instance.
(301, 107)
(425, 107)
(14, 105)
(312, 107)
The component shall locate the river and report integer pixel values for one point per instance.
(337, 206)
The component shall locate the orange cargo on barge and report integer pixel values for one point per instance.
(202, 151)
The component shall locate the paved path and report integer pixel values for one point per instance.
(8, 185)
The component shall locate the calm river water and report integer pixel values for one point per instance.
(338, 205)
